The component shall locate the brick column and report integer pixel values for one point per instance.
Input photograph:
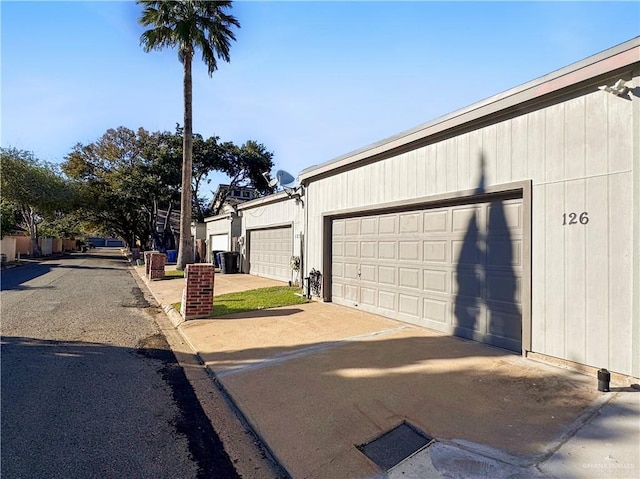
(147, 262)
(197, 295)
(156, 265)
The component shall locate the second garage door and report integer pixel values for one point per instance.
(456, 269)
(270, 252)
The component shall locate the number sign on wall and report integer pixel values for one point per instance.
(569, 219)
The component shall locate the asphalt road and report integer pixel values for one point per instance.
(90, 387)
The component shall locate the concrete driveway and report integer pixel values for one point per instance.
(317, 380)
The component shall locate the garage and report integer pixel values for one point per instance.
(270, 252)
(219, 242)
(455, 268)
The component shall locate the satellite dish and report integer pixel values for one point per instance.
(285, 179)
(287, 182)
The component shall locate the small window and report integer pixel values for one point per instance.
(236, 193)
(246, 194)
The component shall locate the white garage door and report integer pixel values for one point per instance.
(219, 242)
(456, 269)
(270, 253)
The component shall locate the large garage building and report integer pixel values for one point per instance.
(514, 222)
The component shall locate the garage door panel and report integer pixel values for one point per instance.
(352, 227)
(410, 223)
(435, 281)
(368, 296)
(466, 251)
(351, 249)
(409, 277)
(368, 249)
(387, 300)
(351, 271)
(504, 288)
(409, 250)
(457, 269)
(505, 218)
(502, 324)
(409, 304)
(503, 252)
(337, 269)
(351, 293)
(387, 225)
(466, 284)
(368, 273)
(464, 219)
(469, 315)
(435, 251)
(369, 226)
(387, 250)
(270, 252)
(435, 310)
(436, 222)
(387, 275)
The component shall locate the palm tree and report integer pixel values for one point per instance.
(189, 25)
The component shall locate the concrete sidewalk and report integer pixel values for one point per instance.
(317, 380)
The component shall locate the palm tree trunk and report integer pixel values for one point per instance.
(185, 251)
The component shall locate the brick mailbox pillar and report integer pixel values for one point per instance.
(155, 265)
(197, 295)
(147, 262)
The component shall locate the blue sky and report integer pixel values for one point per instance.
(310, 80)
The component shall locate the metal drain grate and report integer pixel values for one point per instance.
(394, 446)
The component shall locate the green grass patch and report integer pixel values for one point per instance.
(254, 300)
(174, 273)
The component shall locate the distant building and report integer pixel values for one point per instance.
(227, 195)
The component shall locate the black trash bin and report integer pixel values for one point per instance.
(229, 262)
(235, 262)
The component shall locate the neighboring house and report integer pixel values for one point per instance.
(272, 232)
(222, 232)
(226, 195)
(514, 221)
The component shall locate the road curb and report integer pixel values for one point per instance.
(176, 320)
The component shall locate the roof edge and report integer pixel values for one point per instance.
(264, 200)
(619, 56)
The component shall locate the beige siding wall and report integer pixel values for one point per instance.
(582, 156)
(46, 246)
(271, 211)
(23, 244)
(8, 248)
(278, 213)
(218, 226)
(56, 245)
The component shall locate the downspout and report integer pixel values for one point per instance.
(303, 261)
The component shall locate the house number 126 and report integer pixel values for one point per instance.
(575, 218)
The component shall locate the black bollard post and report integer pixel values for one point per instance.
(604, 377)
(307, 287)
